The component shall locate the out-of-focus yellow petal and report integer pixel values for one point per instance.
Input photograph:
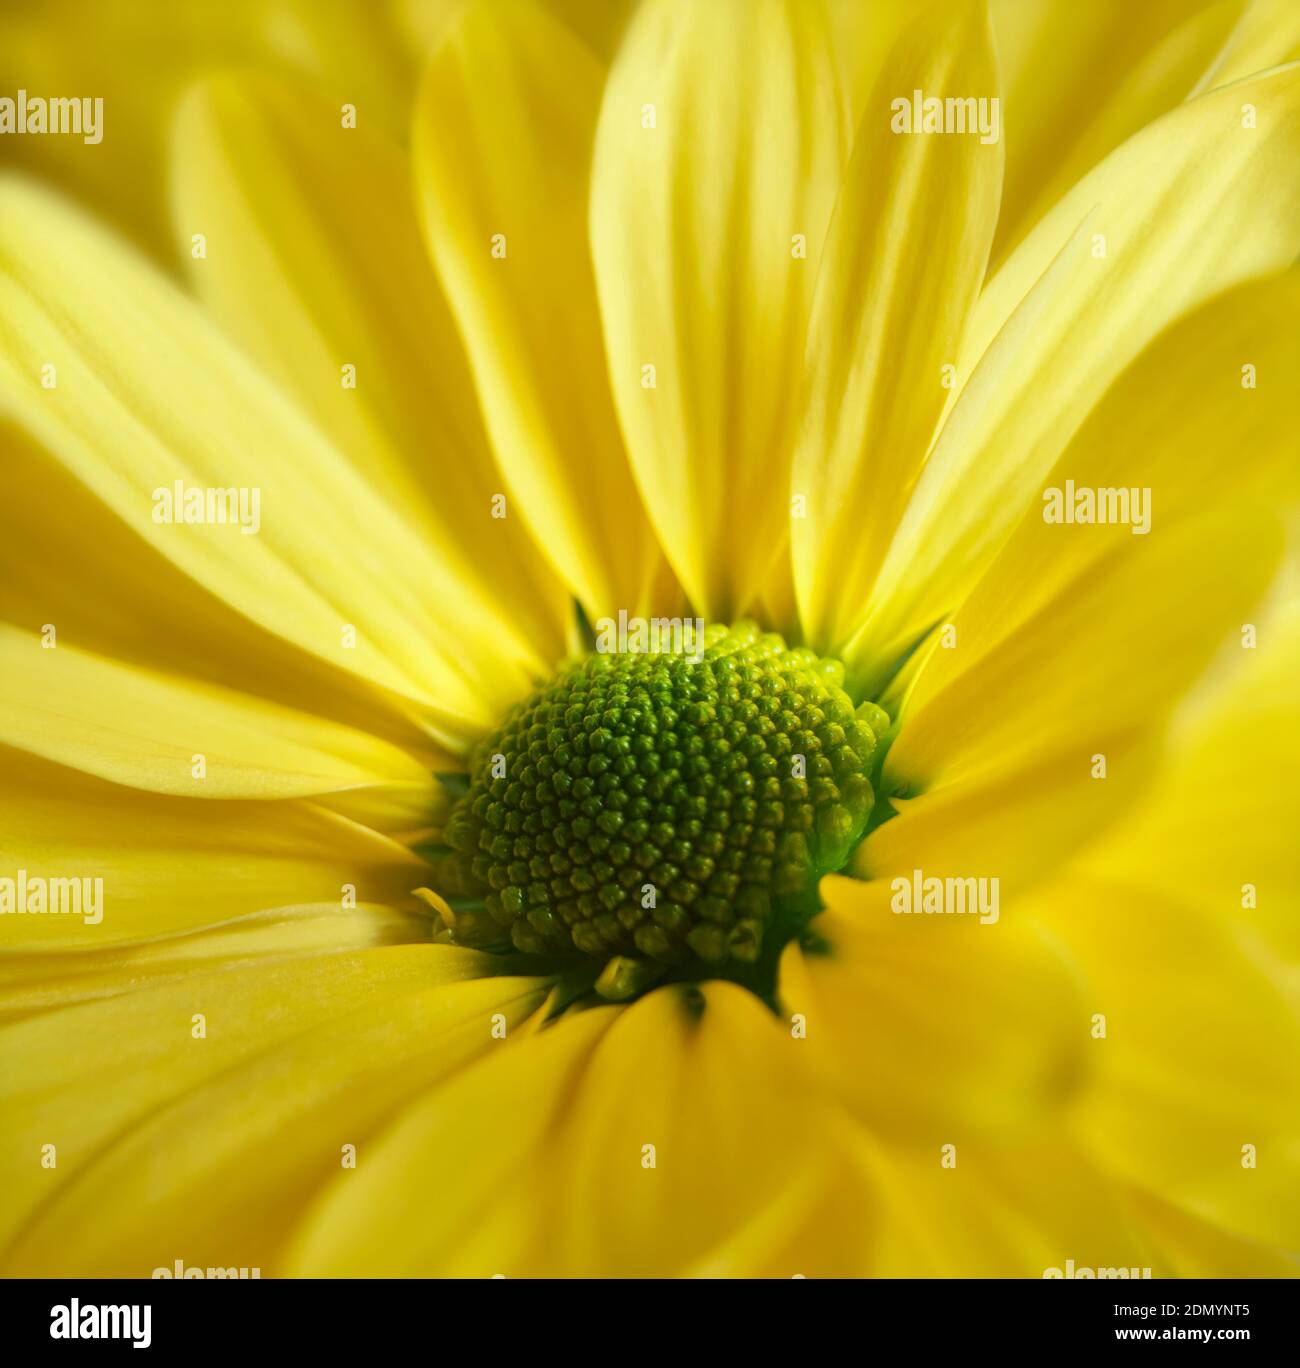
(1197, 202)
(454, 1186)
(173, 864)
(140, 57)
(503, 148)
(718, 158)
(863, 33)
(205, 1147)
(1080, 78)
(1218, 830)
(1196, 1083)
(712, 1073)
(1011, 1210)
(599, 23)
(888, 315)
(934, 1029)
(1109, 652)
(1267, 35)
(144, 729)
(316, 262)
(146, 392)
(1022, 746)
(1191, 1248)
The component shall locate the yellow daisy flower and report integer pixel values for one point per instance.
(688, 671)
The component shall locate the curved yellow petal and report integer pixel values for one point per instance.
(86, 578)
(1212, 392)
(453, 1187)
(657, 1167)
(934, 1029)
(502, 157)
(1201, 200)
(204, 1138)
(167, 864)
(1196, 1083)
(39, 982)
(718, 157)
(1267, 35)
(315, 263)
(140, 59)
(1217, 830)
(146, 395)
(1080, 79)
(890, 304)
(144, 729)
(1026, 1207)
(1110, 651)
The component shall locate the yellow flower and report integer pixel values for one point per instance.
(939, 920)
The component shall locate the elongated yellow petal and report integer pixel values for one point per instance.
(38, 982)
(1267, 35)
(717, 161)
(1212, 392)
(316, 264)
(145, 395)
(933, 1029)
(144, 729)
(887, 316)
(1110, 651)
(172, 1117)
(503, 147)
(140, 59)
(1029, 1207)
(1079, 79)
(1196, 1093)
(172, 864)
(655, 1171)
(87, 579)
(1199, 201)
(1234, 855)
(454, 1186)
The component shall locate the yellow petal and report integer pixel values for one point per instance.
(206, 1146)
(714, 1073)
(1218, 829)
(1080, 79)
(1186, 408)
(1024, 1208)
(1196, 1084)
(863, 33)
(1196, 1249)
(1267, 35)
(172, 864)
(890, 302)
(87, 579)
(316, 263)
(934, 1029)
(502, 146)
(599, 23)
(718, 157)
(453, 1186)
(143, 729)
(140, 59)
(1110, 651)
(38, 982)
(147, 394)
(1190, 206)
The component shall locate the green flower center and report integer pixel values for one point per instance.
(676, 810)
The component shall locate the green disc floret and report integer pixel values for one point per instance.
(666, 807)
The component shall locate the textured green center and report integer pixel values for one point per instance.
(667, 807)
